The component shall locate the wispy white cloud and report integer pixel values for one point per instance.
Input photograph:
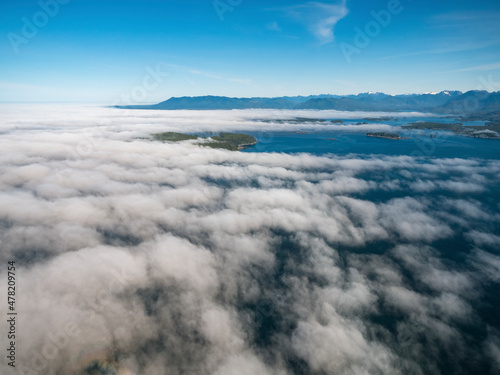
(447, 47)
(465, 18)
(459, 31)
(478, 68)
(273, 26)
(211, 75)
(319, 18)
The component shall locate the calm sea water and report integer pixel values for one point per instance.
(332, 140)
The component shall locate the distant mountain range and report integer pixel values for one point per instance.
(471, 103)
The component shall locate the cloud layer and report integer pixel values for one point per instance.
(138, 257)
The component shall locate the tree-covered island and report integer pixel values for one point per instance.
(227, 141)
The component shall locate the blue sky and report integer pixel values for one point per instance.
(126, 51)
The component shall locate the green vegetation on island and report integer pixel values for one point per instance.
(385, 135)
(433, 125)
(296, 120)
(490, 130)
(227, 141)
(173, 137)
(230, 141)
(375, 119)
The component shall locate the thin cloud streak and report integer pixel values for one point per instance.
(210, 75)
(479, 68)
(461, 47)
(319, 18)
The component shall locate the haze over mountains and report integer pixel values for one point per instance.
(445, 102)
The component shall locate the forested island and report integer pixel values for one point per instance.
(489, 131)
(295, 120)
(385, 135)
(227, 141)
(427, 125)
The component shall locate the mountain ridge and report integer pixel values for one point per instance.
(445, 102)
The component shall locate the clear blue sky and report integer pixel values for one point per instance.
(104, 50)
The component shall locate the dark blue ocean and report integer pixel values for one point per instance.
(334, 140)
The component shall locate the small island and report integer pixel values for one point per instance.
(375, 119)
(427, 125)
(295, 120)
(227, 141)
(231, 141)
(488, 131)
(385, 135)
